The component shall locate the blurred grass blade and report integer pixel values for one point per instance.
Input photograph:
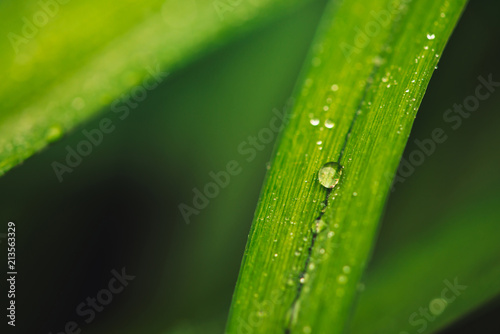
(61, 63)
(407, 279)
(415, 281)
(357, 99)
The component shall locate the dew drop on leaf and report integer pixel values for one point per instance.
(318, 225)
(329, 174)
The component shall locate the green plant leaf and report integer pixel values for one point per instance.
(64, 63)
(408, 276)
(356, 101)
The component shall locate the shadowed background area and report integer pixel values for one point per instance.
(119, 208)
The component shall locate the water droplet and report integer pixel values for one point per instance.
(335, 88)
(407, 90)
(431, 36)
(355, 194)
(307, 329)
(329, 124)
(318, 226)
(276, 255)
(314, 121)
(342, 279)
(329, 174)
(319, 142)
(346, 269)
(331, 234)
(325, 108)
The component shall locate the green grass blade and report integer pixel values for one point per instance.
(407, 276)
(84, 55)
(357, 99)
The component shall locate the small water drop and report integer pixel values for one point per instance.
(329, 174)
(342, 279)
(335, 88)
(314, 121)
(318, 226)
(346, 269)
(329, 124)
(431, 36)
(319, 142)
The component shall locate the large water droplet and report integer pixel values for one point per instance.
(329, 174)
